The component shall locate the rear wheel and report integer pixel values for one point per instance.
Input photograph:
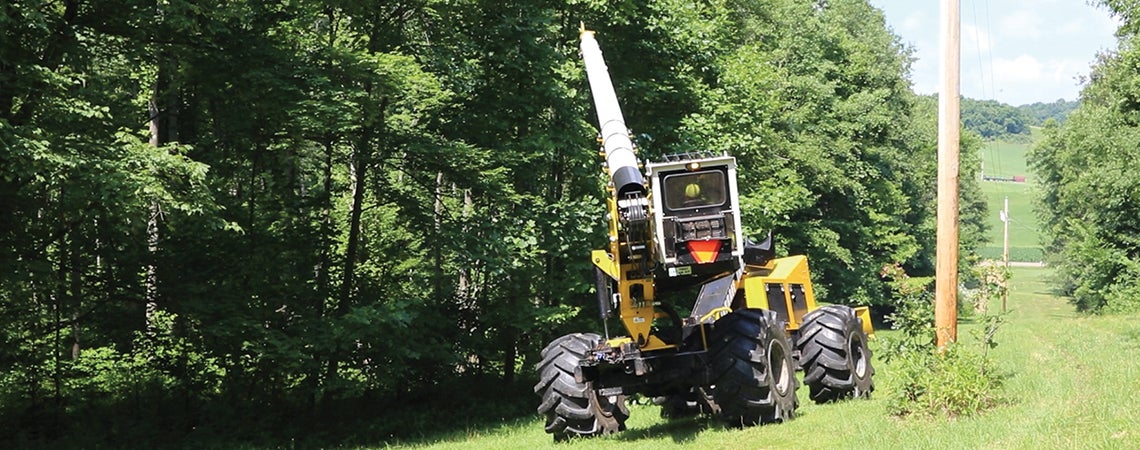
(572, 408)
(834, 355)
(753, 369)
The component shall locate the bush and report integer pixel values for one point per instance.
(1123, 297)
(992, 283)
(957, 381)
(912, 317)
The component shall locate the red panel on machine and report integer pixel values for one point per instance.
(704, 251)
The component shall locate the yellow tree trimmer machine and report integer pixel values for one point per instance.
(674, 234)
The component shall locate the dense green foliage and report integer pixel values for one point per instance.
(995, 120)
(992, 119)
(1090, 181)
(211, 210)
(1058, 111)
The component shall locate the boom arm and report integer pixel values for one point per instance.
(627, 260)
(620, 159)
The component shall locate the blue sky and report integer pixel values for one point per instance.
(1013, 51)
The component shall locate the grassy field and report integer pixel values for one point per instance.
(1071, 385)
(1006, 159)
(1024, 237)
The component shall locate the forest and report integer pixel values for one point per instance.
(991, 119)
(307, 220)
(1040, 112)
(1090, 181)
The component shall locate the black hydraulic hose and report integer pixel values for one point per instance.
(602, 284)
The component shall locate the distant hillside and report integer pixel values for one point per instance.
(993, 120)
(1058, 110)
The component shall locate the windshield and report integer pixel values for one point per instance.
(694, 190)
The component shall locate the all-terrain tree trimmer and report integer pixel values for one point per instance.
(674, 233)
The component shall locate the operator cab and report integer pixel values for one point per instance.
(697, 219)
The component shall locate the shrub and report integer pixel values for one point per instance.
(958, 381)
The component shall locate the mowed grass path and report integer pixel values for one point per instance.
(1073, 384)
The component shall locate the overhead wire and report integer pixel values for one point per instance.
(989, 147)
(993, 91)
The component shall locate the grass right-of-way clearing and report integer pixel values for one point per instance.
(1007, 159)
(1071, 384)
(1024, 237)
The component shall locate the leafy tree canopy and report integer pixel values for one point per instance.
(1088, 168)
(215, 209)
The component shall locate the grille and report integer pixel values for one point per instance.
(692, 230)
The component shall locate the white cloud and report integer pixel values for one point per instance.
(914, 22)
(925, 68)
(1075, 26)
(1015, 51)
(1020, 69)
(1023, 23)
(975, 39)
(1064, 70)
(1027, 79)
(1106, 22)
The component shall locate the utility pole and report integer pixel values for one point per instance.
(1005, 252)
(949, 121)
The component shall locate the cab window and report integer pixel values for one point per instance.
(694, 190)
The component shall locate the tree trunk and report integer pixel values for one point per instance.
(328, 142)
(151, 282)
(362, 156)
(510, 353)
(57, 297)
(360, 160)
(466, 289)
(163, 130)
(76, 291)
(437, 242)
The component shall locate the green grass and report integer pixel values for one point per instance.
(1006, 159)
(1071, 386)
(1024, 237)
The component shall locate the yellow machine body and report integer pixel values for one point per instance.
(782, 285)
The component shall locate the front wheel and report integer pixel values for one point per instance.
(752, 366)
(834, 355)
(572, 408)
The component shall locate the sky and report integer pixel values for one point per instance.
(1013, 51)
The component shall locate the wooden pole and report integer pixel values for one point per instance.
(949, 121)
(1005, 252)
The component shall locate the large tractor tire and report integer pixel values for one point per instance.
(834, 355)
(572, 408)
(751, 360)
